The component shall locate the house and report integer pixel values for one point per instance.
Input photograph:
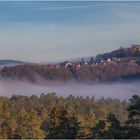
(136, 47)
(118, 59)
(68, 64)
(109, 60)
(86, 63)
(57, 66)
(102, 61)
(65, 64)
(77, 65)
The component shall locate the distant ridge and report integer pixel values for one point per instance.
(11, 62)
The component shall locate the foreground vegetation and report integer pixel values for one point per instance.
(49, 116)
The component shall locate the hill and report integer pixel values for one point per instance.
(121, 63)
(11, 62)
(133, 51)
(85, 73)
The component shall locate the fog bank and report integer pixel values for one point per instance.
(121, 90)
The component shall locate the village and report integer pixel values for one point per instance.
(102, 67)
(122, 55)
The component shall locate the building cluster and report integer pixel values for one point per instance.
(91, 63)
(112, 58)
(136, 47)
(132, 55)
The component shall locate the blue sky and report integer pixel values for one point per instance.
(56, 31)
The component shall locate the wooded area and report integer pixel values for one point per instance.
(50, 116)
(99, 73)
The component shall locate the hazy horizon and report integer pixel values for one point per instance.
(55, 31)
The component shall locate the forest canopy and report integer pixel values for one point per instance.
(50, 116)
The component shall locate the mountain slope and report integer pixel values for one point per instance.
(86, 73)
(11, 62)
(124, 62)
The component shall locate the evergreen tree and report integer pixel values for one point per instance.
(8, 123)
(114, 130)
(63, 126)
(134, 117)
(50, 116)
(91, 60)
(33, 126)
(45, 120)
(22, 120)
(54, 122)
(99, 131)
(82, 61)
(69, 125)
(4, 120)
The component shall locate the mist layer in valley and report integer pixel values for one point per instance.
(121, 90)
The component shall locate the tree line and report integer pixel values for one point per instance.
(97, 73)
(50, 116)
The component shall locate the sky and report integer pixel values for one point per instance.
(43, 31)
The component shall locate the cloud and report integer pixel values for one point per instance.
(87, 5)
(64, 7)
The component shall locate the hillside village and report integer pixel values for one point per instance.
(122, 55)
(130, 54)
(107, 66)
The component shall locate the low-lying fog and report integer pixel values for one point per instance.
(121, 90)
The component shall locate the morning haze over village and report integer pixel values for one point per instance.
(81, 70)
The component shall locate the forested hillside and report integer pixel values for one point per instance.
(49, 116)
(96, 73)
(104, 67)
(11, 62)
